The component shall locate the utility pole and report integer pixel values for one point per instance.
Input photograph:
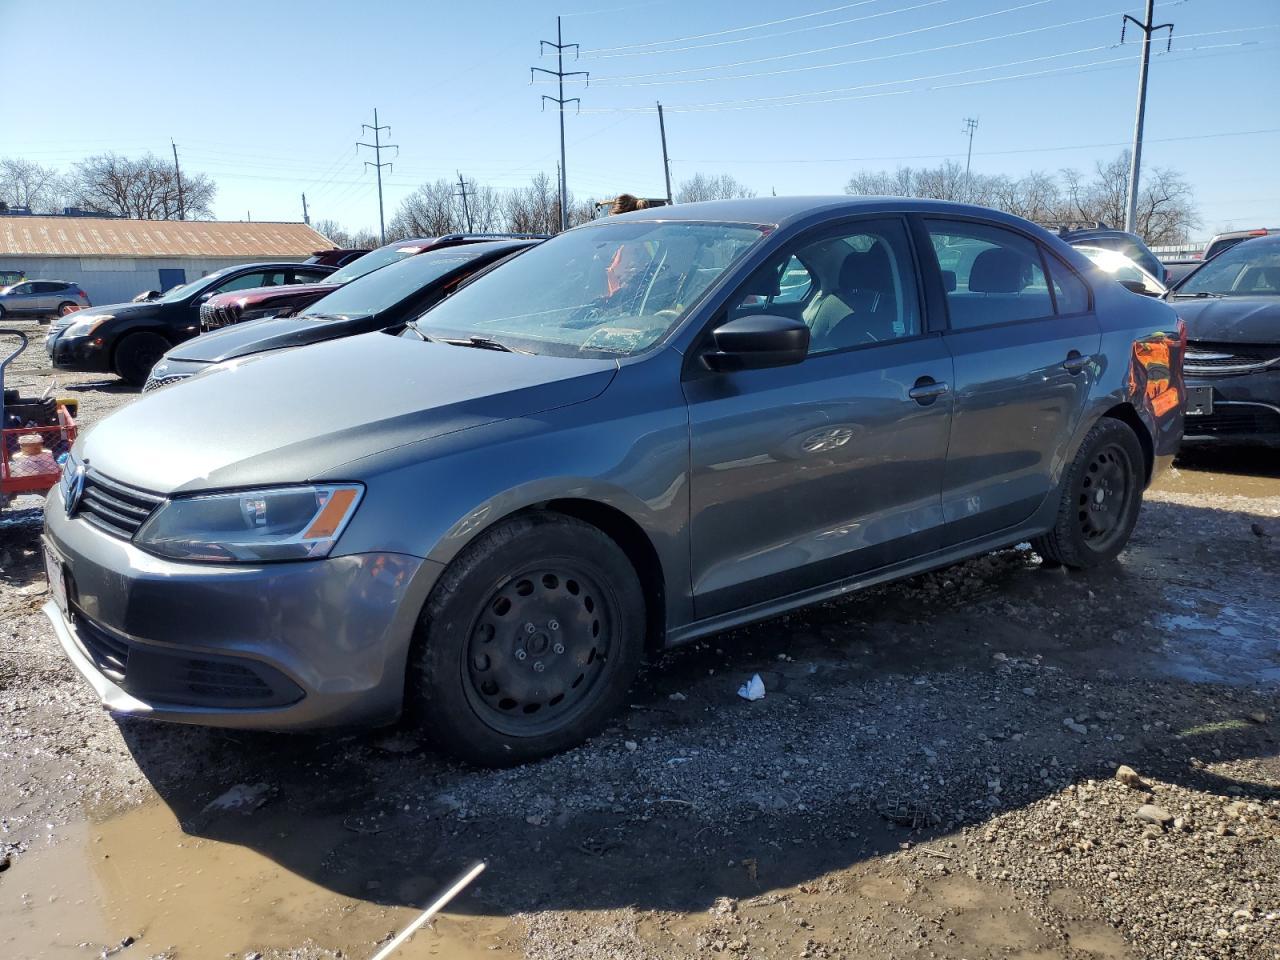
(1135, 159)
(182, 207)
(559, 73)
(970, 125)
(666, 162)
(305, 218)
(377, 147)
(466, 210)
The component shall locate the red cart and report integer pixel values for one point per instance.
(31, 451)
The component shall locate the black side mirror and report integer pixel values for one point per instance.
(1137, 286)
(757, 341)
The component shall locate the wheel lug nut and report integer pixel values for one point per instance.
(520, 654)
(530, 629)
(558, 648)
(554, 624)
(538, 667)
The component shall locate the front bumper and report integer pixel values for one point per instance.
(1246, 410)
(284, 646)
(78, 353)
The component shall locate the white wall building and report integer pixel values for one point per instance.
(115, 260)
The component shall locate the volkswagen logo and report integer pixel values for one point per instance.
(75, 487)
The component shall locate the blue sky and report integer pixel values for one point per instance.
(267, 97)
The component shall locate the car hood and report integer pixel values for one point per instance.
(1230, 319)
(111, 310)
(273, 333)
(294, 415)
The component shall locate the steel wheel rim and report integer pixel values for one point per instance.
(1104, 497)
(538, 652)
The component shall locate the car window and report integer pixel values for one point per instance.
(992, 275)
(853, 286)
(269, 278)
(21, 288)
(310, 276)
(1246, 269)
(392, 284)
(1069, 290)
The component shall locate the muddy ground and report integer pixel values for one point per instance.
(931, 774)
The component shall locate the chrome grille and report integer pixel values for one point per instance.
(1218, 359)
(155, 383)
(214, 318)
(114, 507)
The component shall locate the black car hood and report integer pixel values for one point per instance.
(114, 310)
(271, 333)
(1230, 319)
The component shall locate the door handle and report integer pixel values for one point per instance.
(1075, 362)
(927, 390)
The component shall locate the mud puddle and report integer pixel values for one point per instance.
(138, 880)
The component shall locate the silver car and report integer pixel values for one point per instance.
(41, 298)
(646, 430)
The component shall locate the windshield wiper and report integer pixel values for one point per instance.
(413, 325)
(1200, 294)
(480, 343)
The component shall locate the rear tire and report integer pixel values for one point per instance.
(528, 642)
(67, 307)
(1101, 495)
(137, 354)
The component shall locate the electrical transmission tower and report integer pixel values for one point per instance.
(1135, 160)
(462, 192)
(377, 147)
(559, 73)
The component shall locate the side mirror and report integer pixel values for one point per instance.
(757, 341)
(1137, 286)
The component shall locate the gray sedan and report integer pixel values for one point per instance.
(42, 298)
(646, 430)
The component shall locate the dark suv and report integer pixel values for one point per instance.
(128, 338)
(245, 305)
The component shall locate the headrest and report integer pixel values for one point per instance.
(949, 281)
(763, 283)
(998, 271)
(867, 271)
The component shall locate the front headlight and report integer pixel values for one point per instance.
(82, 328)
(252, 526)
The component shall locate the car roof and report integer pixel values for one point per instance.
(781, 211)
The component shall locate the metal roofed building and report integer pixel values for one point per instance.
(113, 260)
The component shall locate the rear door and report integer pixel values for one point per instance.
(1025, 342)
(808, 474)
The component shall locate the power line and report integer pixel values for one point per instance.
(1135, 158)
(837, 46)
(560, 73)
(377, 147)
(722, 33)
(769, 36)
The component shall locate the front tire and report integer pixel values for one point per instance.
(137, 354)
(1100, 499)
(67, 307)
(528, 643)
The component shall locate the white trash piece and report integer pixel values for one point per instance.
(753, 689)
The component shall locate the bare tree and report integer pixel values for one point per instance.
(365, 239)
(430, 211)
(1166, 206)
(145, 188)
(702, 186)
(535, 208)
(30, 185)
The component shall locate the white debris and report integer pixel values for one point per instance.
(753, 689)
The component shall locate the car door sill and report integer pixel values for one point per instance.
(908, 568)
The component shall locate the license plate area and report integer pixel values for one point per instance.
(1199, 401)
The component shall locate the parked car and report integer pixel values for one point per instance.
(1125, 270)
(1175, 270)
(335, 258)
(245, 305)
(1222, 242)
(42, 298)
(626, 438)
(1130, 244)
(128, 338)
(1231, 307)
(381, 300)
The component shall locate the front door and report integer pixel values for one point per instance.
(1025, 343)
(808, 474)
